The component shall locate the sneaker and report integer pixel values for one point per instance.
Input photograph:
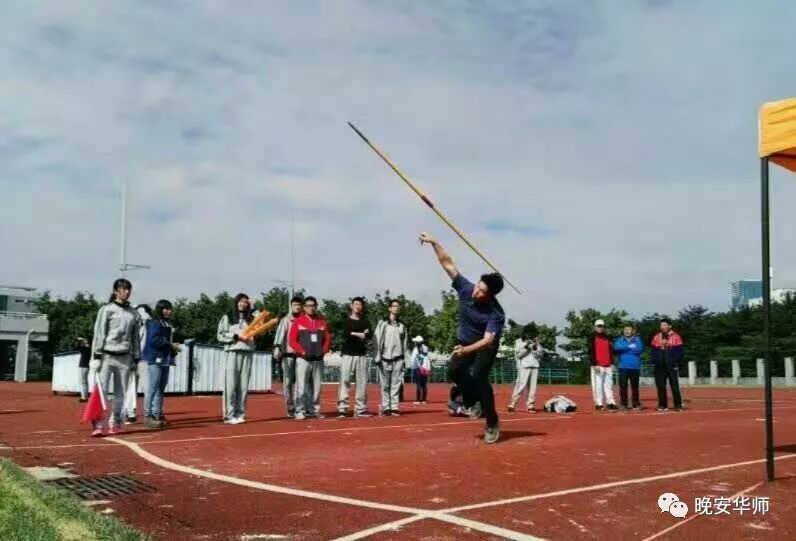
(453, 412)
(679, 409)
(341, 415)
(416, 402)
(81, 399)
(291, 414)
(475, 411)
(151, 422)
(131, 419)
(300, 416)
(395, 413)
(363, 414)
(612, 407)
(636, 408)
(385, 413)
(598, 408)
(163, 421)
(491, 434)
(622, 408)
(659, 408)
(240, 420)
(531, 410)
(116, 430)
(319, 415)
(423, 402)
(97, 433)
(511, 409)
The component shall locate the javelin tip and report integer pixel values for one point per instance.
(362, 135)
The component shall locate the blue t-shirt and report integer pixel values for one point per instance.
(476, 318)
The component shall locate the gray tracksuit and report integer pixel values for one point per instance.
(288, 357)
(117, 344)
(391, 342)
(528, 360)
(238, 366)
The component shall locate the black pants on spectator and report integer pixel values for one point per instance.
(664, 372)
(471, 375)
(626, 375)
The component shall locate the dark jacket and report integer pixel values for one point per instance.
(590, 353)
(670, 354)
(158, 345)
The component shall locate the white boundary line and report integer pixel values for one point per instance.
(416, 512)
(308, 430)
(386, 527)
(692, 517)
(603, 486)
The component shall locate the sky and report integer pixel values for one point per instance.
(600, 153)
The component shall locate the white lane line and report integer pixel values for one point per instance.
(604, 486)
(387, 527)
(309, 429)
(437, 515)
(692, 517)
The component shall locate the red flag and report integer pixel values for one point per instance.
(95, 407)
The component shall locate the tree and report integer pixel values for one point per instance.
(68, 319)
(443, 324)
(199, 319)
(581, 326)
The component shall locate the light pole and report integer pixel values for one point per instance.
(124, 266)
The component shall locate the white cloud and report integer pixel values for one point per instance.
(627, 132)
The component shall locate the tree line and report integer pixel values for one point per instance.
(708, 335)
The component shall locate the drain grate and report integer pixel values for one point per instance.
(95, 488)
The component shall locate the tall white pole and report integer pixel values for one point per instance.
(123, 262)
(292, 263)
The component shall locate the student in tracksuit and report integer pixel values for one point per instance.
(115, 348)
(599, 347)
(356, 334)
(666, 355)
(391, 341)
(238, 358)
(528, 353)
(284, 353)
(85, 357)
(310, 338)
(137, 370)
(628, 348)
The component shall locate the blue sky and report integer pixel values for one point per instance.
(601, 153)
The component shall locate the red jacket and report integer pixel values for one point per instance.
(310, 337)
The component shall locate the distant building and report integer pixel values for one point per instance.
(777, 295)
(20, 326)
(745, 290)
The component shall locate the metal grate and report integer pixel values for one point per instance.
(96, 488)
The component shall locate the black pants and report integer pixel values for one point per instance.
(421, 381)
(632, 376)
(665, 372)
(471, 375)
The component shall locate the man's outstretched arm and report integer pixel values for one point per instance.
(445, 260)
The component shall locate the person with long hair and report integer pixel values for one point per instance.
(116, 347)
(421, 369)
(159, 354)
(391, 343)
(238, 358)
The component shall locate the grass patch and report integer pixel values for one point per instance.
(32, 510)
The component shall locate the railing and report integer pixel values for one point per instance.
(23, 315)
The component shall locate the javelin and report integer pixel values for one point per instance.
(430, 204)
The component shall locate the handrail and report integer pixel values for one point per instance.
(23, 315)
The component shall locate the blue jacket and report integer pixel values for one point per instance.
(629, 352)
(157, 344)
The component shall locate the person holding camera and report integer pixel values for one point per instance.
(529, 354)
(666, 355)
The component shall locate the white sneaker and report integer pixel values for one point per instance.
(300, 416)
(240, 420)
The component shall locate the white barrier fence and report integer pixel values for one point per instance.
(199, 369)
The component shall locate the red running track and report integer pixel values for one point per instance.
(588, 475)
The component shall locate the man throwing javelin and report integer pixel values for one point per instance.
(481, 320)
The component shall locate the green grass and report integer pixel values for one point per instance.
(33, 511)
